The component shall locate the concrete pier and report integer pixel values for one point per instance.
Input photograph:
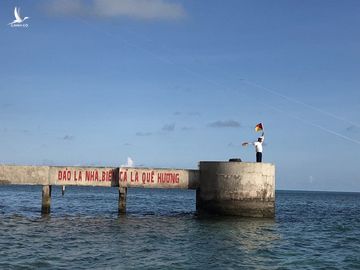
(237, 188)
(46, 200)
(223, 188)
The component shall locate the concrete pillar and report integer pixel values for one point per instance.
(46, 199)
(198, 200)
(122, 200)
(237, 188)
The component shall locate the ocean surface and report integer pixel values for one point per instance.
(312, 230)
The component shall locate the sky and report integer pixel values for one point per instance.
(171, 83)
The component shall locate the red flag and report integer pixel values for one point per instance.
(259, 127)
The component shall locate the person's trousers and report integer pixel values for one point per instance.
(258, 157)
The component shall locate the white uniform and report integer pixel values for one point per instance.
(258, 145)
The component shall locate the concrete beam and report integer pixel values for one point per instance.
(24, 175)
(99, 176)
(84, 176)
(159, 178)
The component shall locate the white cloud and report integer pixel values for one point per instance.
(140, 9)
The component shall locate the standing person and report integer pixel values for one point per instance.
(258, 144)
(259, 147)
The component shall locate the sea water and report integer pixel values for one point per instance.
(311, 230)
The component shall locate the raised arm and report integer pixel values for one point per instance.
(262, 137)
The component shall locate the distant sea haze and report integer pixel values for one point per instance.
(161, 230)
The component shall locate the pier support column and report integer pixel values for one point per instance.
(46, 200)
(122, 200)
(237, 189)
(198, 207)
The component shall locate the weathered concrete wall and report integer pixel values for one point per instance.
(237, 188)
(62, 176)
(84, 176)
(99, 176)
(159, 178)
(226, 188)
(24, 175)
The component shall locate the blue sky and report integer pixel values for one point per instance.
(170, 83)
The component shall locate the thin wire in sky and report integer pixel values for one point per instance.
(214, 82)
(293, 100)
(271, 91)
(313, 124)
